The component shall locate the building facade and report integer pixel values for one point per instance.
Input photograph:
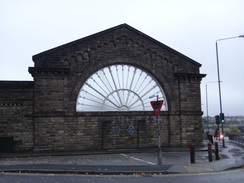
(95, 93)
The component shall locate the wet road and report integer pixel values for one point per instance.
(233, 176)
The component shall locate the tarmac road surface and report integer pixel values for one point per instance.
(231, 176)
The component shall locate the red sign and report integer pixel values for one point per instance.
(157, 105)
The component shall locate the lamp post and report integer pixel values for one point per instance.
(206, 86)
(220, 101)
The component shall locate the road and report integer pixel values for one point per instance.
(127, 159)
(231, 176)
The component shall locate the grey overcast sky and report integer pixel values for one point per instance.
(28, 27)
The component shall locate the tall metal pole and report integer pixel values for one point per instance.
(220, 100)
(207, 101)
(207, 105)
(160, 159)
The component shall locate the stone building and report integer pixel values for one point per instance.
(95, 93)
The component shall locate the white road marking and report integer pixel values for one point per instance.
(138, 159)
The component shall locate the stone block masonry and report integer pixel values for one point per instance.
(40, 115)
(16, 109)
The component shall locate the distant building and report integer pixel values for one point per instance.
(95, 93)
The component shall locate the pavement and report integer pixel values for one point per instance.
(125, 161)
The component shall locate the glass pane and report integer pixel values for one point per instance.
(119, 88)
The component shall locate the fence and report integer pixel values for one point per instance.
(238, 139)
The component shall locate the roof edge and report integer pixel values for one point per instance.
(78, 40)
(114, 28)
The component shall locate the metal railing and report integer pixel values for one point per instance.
(238, 139)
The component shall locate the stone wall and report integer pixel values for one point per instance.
(42, 114)
(99, 131)
(16, 108)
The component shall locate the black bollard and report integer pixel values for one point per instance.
(210, 156)
(192, 153)
(216, 151)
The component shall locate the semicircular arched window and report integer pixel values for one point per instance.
(119, 88)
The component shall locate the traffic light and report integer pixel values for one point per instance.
(222, 117)
(217, 119)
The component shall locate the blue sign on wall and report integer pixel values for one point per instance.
(117, 129)
(131, 130)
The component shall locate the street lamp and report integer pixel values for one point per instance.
(206, 86)
(220, 101)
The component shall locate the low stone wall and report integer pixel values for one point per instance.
(16, 108)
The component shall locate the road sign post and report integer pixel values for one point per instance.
(157, 105)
